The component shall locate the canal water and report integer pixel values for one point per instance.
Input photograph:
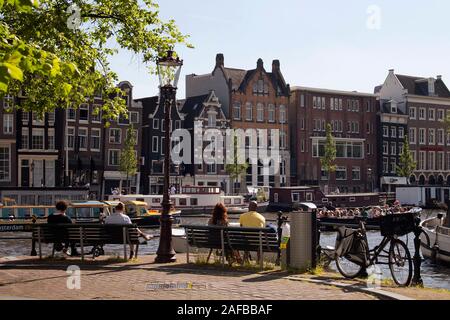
(433, 276)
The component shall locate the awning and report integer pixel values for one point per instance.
(398, 181)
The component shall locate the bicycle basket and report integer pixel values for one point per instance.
(397, 224)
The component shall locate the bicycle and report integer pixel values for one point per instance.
(352, 254)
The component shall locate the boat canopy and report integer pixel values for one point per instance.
(308, 205)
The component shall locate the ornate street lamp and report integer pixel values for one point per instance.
(169, 69)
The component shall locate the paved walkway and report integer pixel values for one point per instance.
(29, 278)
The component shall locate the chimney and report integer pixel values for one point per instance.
(275, 66)
(391, 71)
(439, 77)
(431, 89)
(220, 60)
(260, 64)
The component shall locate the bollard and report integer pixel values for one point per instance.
(417, 278)
(33, 243)
(314, 242)
(279, 231)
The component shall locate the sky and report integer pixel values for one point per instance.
(343, 45)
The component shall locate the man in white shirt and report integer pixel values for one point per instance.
(118, 217)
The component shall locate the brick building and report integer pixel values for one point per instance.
(352, 116)
(251, 99)
(425, 103)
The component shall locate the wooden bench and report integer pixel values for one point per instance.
(232, 238)
(86, 235)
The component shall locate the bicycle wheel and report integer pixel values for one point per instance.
(348, 268)
(400, 263)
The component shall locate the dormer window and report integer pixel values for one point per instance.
(393, 107)
(431, 83)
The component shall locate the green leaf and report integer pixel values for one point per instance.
(15, 72)
(67, 88)
(1, 3)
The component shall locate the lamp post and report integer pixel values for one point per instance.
(169, 69)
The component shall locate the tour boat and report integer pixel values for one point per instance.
(193, 199)
(435, 241)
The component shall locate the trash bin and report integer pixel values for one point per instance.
(303, 240)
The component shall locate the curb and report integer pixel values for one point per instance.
(377, 292)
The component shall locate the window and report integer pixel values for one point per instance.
(25, 117)
(440, 115)
(37, 139)
(70, 137)
(51, 139)
(431, 114)
(25, 139)
(401, 133)
(155, 143)
(71, 115)
(422, 114)
(385, 147)
(393, 132)
(393, 108)
(440, 161)
(113, 157)
(271, 113)
(385, 165)
(8, 120)
(177, 124)
(393, 165)
(302, 100)
(51, 118)
(412, 135)
(324, 175)
(260, 112)
(393, 148)
(283, 139)
(412, 113)
(248, 112)
(295, 197)
(421, 136)
(283, 114)
(84, 112)
(302, 124)
(431, 137)
(368, 106)
(440, 137)
(309, 197)
(212, 119)
(136, 135)
(341, 173)
(134, 117)
(155, 123)
(38, 119)
(82, 138)
(431, 160)
(96, 113)
(356, 173)
(115, 135)
(422, 160)
(211, 168)
(4, 163)
(95, 139)
(8, 102)
(237, 111)
(385, 131)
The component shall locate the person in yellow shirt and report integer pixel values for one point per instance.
(252, 219)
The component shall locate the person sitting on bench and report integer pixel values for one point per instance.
(252, 219)
(60, 217)
(118, 217)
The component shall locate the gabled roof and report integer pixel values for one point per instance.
(192, 108)
(419, 86)
(149, 104)
(236, 76)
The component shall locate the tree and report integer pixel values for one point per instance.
(236, 169)
(56, 52)
(406, 165)
(128, 159)
(327, 162)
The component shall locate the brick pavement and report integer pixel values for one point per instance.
(29, 278)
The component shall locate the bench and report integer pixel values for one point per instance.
(232, 238)
(86, 235)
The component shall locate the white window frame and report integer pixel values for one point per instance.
(109, 157)
(8, 123)
(110, 136)
(85, 129)
(155, 144)
(92, 139)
